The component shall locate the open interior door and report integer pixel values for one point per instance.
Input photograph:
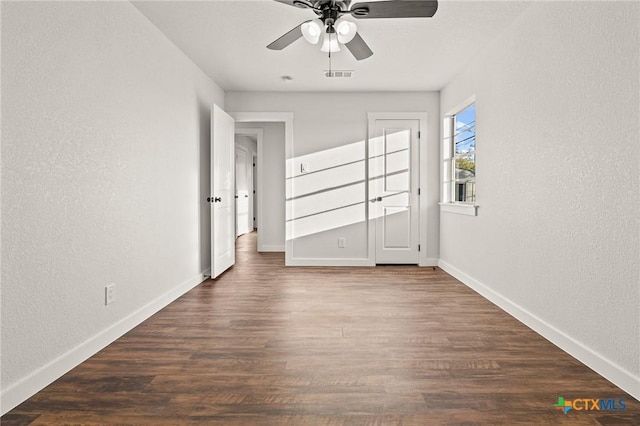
(223, 238)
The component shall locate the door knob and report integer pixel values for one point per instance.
(217, 200)
(208, 199)
(373, 200)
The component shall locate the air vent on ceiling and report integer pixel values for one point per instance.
(338, 73)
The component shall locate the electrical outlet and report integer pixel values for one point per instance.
(341, 242)
(109, 294)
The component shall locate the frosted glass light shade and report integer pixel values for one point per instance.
(346, 31)
(330, 43)
(312, 30)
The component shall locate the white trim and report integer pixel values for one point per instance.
(460, 208)
(597, 362)
(271, 247)
(425, 193)
(28, 386)
(447, 182)
(266, 117)
(330, 262)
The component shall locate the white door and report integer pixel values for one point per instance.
(242, 191)
(393, 189)
(223, 249)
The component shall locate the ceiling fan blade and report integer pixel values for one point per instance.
(297, 3)
(287, 39)
(395, 9)
(358, 48)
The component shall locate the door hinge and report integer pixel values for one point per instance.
(419, 133)
(418, 191)
(418, 247)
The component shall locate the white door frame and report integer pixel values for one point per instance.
(422, 117)
(267, 117)
(258, 134)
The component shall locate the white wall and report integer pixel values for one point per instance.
(272, 228)
(556, 239)
(324, 124)
(105, 153)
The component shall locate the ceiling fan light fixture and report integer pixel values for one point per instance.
(346, 31)
(330, 43)
(312, 30)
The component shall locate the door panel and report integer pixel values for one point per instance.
(394, 166)
(222, 192)
(396, 232)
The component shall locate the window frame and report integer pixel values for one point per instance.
(449, 202)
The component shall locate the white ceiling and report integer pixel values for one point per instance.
(228, 39)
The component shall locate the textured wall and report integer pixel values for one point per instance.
(330, 121)
(105, 134)
(557, 231)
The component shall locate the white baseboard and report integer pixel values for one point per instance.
(274, 247)
(22, 390)
(298, 261)
(598, 363)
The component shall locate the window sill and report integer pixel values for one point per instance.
(459, 208)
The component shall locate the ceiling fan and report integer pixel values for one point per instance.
(338, 30)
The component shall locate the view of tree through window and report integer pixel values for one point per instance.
(464, 155)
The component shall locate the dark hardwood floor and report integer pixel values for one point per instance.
(270, 345)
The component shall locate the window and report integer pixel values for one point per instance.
(459, 159)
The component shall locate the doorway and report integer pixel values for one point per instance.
(394, 188)
(270, 209)
(244, 185)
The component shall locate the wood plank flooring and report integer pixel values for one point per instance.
(269, 345)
